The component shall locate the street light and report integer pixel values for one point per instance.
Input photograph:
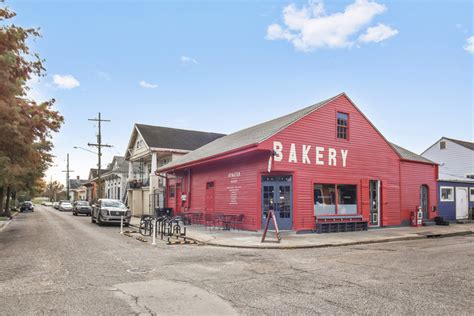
(77, 147)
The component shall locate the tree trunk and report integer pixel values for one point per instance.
(7, 203)
(2, 197)
(14, 198)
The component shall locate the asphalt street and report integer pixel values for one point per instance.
(55, 263)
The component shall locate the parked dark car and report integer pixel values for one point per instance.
(81, 207)
(27, 206)
(110, 211)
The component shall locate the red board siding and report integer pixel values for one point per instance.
(369, 157)
(236, 187)
(413, 176)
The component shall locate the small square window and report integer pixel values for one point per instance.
(172, 190)
(442, 145)
(471, 194)
(446, 194)
(342, 125)
(209, 185)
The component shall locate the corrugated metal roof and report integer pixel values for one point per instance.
(249, 136)
(409, 155)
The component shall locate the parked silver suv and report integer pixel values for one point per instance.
(110, 211)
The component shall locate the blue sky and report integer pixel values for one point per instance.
(407, 65)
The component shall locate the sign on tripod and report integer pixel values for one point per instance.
(271, 217)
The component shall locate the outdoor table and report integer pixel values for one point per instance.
(195, 216)
(226, 220)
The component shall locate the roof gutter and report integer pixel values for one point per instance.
(224, 155)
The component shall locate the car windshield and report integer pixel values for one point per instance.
(83, 203)
(113, 204)
(65, 203)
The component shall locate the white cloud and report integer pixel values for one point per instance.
(469, 47)
(65, 81)
(311, 27)
(378, 33)
(188, 60)
(147, 85)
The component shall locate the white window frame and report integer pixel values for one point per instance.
(471, 194)
(441, 196)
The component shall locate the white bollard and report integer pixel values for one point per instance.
(154, 234)
(121, 224)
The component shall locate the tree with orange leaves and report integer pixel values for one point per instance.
(25, 125)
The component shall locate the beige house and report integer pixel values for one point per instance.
(78, 190)
(149, 148)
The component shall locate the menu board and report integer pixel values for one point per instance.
(234, 187)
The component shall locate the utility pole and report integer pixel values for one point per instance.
(99, 146)
(67, 176)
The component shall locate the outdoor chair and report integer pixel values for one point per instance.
(219, 219)
(209, 220)
(237, 222)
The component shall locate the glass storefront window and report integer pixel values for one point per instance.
(324, 199)
(347, 194)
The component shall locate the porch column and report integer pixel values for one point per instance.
(130, 170)
(153, 180)
(154, 163)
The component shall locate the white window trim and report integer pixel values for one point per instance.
(441, 196)
(471, 194)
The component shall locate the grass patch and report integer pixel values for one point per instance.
(3, 218)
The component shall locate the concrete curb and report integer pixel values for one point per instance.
(8, 222)
(363, 242)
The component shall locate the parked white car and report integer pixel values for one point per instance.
(65, 206)
(110, 211)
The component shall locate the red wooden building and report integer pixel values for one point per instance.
(326, 162)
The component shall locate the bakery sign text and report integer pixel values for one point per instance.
(308, 154)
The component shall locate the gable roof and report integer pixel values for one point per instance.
(463, 143)
(93, 173)
(250, 136)
(76, 183)
(257, 134)
(409, 155)
(173, 138)
(122, 165)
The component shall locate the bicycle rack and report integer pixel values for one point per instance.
(166, 226)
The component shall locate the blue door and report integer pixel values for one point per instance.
(277, 192)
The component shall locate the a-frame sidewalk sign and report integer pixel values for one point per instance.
(271, 217)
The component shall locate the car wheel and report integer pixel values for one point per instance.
(99, 221)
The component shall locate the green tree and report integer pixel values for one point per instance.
(25, 125)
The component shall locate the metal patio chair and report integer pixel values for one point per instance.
(237, 222)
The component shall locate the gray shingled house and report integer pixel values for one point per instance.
(149, 148)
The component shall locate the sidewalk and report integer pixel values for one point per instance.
(291, 240)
